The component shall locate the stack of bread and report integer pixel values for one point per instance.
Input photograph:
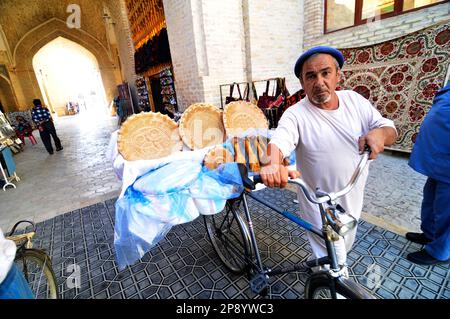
(147, 136)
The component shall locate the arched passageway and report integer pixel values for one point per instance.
(69, 73)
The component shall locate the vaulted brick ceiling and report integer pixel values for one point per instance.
(20, 16)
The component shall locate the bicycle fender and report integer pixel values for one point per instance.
(353, 288)
(347, 285)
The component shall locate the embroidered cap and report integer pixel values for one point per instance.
(320, 49)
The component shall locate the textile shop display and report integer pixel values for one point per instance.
(142, 92)
(249, 95)
(274, 105)
(400, 77)
(168, 92)
(201, 125)
(273, 102)
(230, 98)
(147, 136)
(8, 135)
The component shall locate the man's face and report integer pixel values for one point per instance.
(319, 78)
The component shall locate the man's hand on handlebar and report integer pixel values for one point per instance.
(276, 175)
(376, 139)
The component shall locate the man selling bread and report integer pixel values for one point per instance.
(328, 130)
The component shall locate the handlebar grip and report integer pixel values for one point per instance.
(257, 179)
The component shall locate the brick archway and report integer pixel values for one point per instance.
(23, 77)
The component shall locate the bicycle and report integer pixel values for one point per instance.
(34, 263)
(233, 239)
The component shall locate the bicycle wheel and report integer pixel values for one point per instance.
(36, 266)
(318, 287)
(230, 238)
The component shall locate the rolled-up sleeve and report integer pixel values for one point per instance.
(376, 120)
(286, 136)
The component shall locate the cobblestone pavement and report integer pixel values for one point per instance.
(81, 175)
(394, 191)
(78, 176)
(184, 264)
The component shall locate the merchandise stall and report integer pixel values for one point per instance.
(142, 92)
(8, 135)
(153, 61)
(9, 144)
(7, 168)
(273, 98)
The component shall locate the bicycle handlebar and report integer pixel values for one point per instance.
(320, 197)
(13, 230)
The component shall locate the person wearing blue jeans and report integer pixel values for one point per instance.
(431, 157)
(13, 284)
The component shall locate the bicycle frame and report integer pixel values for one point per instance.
(26, 252)
(326, 233)
(260, 281)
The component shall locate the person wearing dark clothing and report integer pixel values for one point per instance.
(43, 119)
(431, 157)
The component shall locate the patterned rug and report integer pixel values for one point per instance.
(401, 77)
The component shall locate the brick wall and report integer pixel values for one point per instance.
(371, 33)
(275, 39)
(206, 44)
(182, 49)
(124, 45)
(219, 42)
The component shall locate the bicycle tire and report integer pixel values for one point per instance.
(318, 287)
(230, 238)
(39, 273)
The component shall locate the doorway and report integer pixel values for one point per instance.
(68, 74)
(155, 85)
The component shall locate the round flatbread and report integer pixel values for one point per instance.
(147, 136)
(241, 116)
(201, 126)
(217, 156)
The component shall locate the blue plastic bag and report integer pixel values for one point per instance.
(172, 194)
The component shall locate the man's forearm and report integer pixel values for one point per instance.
(274, 154)
(390, 135)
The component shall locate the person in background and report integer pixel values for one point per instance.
(12, 282)
(24, 129)
(328, 130)
(431, 157)
(43, 119)
(120, 109)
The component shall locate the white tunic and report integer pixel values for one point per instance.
(326, 145)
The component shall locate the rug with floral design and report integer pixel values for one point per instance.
(401, 77)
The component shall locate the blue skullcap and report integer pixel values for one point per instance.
(320, 49)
